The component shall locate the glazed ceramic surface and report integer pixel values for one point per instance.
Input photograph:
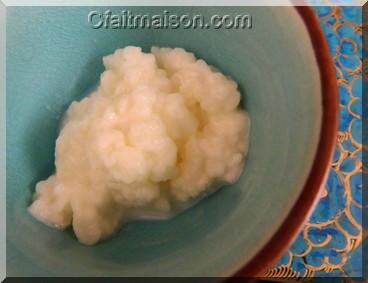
(54, 57)
(330, 244)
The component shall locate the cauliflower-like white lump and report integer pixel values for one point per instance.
(161, 128)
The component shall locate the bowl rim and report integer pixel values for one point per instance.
(307, 200)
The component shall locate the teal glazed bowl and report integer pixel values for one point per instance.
(288, 84)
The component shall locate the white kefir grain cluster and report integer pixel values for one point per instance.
(161, 128)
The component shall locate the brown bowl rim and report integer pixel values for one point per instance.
(299, 214)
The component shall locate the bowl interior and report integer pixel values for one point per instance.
(54, 57)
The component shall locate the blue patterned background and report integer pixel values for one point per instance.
(331, 242)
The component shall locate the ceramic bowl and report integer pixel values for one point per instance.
(288, 84)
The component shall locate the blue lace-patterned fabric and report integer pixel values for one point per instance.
(331, 242)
